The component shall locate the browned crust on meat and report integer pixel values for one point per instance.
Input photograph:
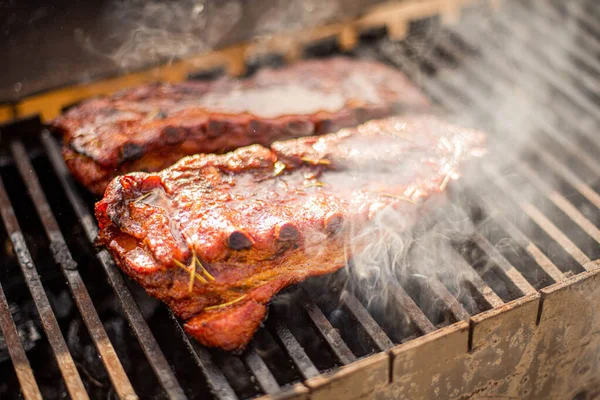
(290, 223)
(142, 129)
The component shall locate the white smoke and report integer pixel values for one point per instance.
(514, 106)
(144, 33)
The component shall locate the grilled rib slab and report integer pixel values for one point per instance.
(217, 236)
(151, 127)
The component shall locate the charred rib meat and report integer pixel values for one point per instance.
(217, 236)
(151, 127)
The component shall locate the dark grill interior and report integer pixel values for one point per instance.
(72, 323)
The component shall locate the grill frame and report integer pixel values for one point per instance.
(534, 318)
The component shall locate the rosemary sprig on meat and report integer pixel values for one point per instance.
(142, 197)
(393, 196)
(446, 180)
(313, 184)
(278, 168)
(321, 161)
(192, 271)
(225, 304)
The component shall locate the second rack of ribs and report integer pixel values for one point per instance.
(149, 128)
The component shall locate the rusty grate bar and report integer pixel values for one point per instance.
(29, 386)
(410, 307)
(331, 336)
(439, 87)
(539, 218)
(288, 342)
(560, 201)
(394, 53)
(372, 328)
(521, 239)
(55, 338)
(482, 288)
(261, 372)
(68, 266)
(570, 177)
(147, 341)
(565, 173)
(532, 211)
(213, 375)
(513, 274)
(453, 305)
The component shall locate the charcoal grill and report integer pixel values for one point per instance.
(522, 324)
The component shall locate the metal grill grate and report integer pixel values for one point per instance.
(465, 69)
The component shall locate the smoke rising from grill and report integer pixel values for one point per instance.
(501, 215)
(150, 32)
(158, 31)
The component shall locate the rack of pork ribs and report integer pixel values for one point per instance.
(151, 127)
(217, 236)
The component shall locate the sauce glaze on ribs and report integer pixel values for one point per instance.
(151, 127)
(217, 236)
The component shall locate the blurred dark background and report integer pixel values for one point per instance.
(47, 45)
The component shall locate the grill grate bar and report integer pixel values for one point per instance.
(513, 274)
(441, 88)
(521, 239)
(372, 328)
(62, 256)
(449, 301)
(567, 145)
(410, 307)
(540, 219)
(561, 202)
(136, 320)
(583, 188)
(19, 359)
(327, 331)
(55, 338)
(288, 342)
(479, 284)
(214, 376)
(533, 212)
(593, 10)
(475, 69)
(261, 372)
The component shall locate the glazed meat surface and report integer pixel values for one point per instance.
(151, 127)
(217, 236)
